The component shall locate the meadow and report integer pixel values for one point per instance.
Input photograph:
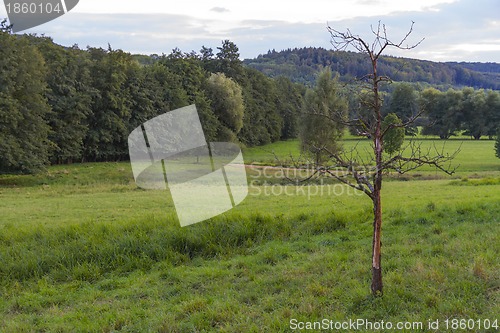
(82, 249)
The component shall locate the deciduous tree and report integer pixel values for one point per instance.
(395, 133)
(262, 123)
(227, 104)
(404, 104)
(289, 103)
(69, 95)
(111, 108)
(319, 132)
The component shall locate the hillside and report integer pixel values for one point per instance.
(302, 64)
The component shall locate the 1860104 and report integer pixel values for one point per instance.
(471, 324)
(33, 8)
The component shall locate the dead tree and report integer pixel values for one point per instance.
(366, 175)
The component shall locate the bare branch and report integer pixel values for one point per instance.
(342, 40)
(409, 47)
(417, 158)
(406, 124)
(296, 166)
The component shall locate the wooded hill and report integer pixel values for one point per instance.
(302, 65)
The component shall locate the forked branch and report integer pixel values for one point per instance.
(343, 40)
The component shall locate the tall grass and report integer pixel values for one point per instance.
(87, 251)
(439, 262)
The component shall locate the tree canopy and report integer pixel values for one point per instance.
(24, 109)
(64, 104)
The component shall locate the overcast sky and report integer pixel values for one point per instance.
(454, 30)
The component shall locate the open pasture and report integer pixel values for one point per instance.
(82, 249)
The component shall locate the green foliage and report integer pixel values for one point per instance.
(108, 124)
(403, 104)
(360, 110)
(62, 105)
(474, 111)
(65, 104)
(481, 112)
(69, 95)
(393, 137)
(492, 112)
(289, 103)
(24, 143)
(228, 60)
(227, 102)
(448, 112)
(191, 78)
(323, 112)
(262, 123)
(443, 111)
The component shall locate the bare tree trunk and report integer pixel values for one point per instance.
(377, 216)
(377, 187)
(377, 286)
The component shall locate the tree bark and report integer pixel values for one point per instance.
(377, 188)
(377, 286)
(377, 219)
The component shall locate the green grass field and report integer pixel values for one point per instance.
(474, 156)
(83, 250)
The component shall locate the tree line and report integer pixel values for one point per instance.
(302, 65)
(452, 112)
(466, 111)
(64, 104)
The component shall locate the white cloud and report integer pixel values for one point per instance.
(460, 30)
(478, 47)
(220, 10)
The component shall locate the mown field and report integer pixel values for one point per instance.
(82, 249)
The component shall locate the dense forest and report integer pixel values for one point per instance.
(302, 65)
(67, 104)
(63, 105)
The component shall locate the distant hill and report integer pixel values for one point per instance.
(302, 64)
